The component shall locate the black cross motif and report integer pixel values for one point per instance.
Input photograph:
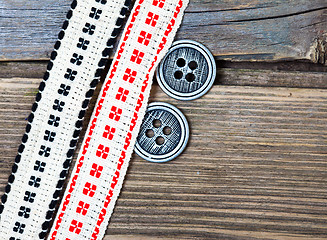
(101, 1)
(39, 166)
(83, 43)
(19, 227)
(76, 59)
(49, 136)
(95, 13)
(64, 89)
(29, 197)
(70, 74)
(54, 120)
(44, 150)
(58, 105)
(24, 212)
(34, 181)
(89, 28)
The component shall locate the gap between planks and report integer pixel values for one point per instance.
(295, 75)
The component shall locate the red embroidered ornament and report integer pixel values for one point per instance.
(109, 141)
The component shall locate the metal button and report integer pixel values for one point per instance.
(187, 71)
(164, 133)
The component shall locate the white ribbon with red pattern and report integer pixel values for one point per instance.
(109, 141)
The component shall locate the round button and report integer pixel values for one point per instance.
(164, 133)
(187, 71)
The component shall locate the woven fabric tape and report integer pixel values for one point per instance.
(102, 162)
(47, 148)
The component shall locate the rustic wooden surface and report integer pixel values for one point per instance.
(255, 166)
(266, 30)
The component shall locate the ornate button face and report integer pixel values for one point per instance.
(187, 71)
(164, 133)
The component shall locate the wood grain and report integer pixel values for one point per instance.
(255, 166)
(235, 30)
(268, 78)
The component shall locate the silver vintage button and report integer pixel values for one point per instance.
(187, 71)
(164, 133)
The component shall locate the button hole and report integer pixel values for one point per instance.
(178, 74)
(180, 62)
(149, 133)
(193, 65)
(167, 130)
(190, 77)
(160, 141)
(156, 123)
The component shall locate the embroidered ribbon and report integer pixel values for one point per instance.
(44, 156)
(98, 175)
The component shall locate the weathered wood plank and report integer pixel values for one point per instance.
(247, 75)
(234, 30)
(255, 166)
(268, 78)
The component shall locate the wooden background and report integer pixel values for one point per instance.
(255, 166)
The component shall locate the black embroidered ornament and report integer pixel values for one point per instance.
(53, 127)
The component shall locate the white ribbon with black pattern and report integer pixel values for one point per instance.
(102, 162)
(47, 147)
